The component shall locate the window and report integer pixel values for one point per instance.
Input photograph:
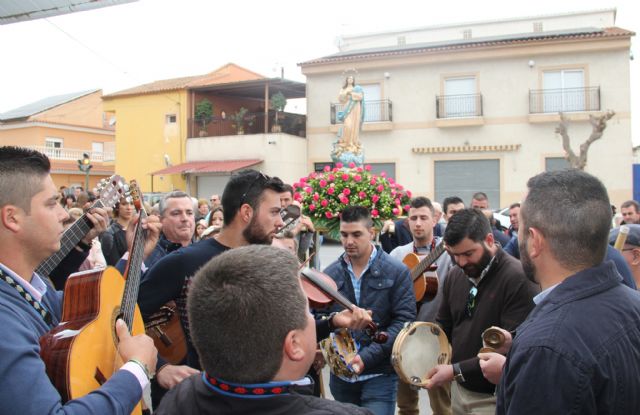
(564, 90)
(466, 34)
(171, 119)
(537, 27)
(556, 163)
(402, 40)
(372, 102)
(97, 150)
(460, 97)
(53, 147)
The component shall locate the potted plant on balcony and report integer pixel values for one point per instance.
(203, 115)
(278, 102)
(238, 119)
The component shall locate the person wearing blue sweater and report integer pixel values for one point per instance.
(30, 229)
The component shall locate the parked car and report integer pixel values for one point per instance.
(502, 217)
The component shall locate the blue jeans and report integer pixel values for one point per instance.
(376, 394)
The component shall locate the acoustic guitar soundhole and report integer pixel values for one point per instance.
(100, 378)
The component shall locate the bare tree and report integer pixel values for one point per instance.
(598, 124)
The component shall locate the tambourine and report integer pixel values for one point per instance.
(419, 347)
(339, 350)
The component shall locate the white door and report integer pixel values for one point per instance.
(564, 90)
(460, 97)
(372, 101)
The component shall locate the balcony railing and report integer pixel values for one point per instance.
(74, 153)
(294, 124)
(455, 106)
(564, 100)
(374, 111)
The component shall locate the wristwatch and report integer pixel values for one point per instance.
(457, 374)
(330, 320)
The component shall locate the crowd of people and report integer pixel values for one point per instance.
(562, 299)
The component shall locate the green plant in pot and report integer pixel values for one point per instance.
(203, 115)
(239, 119)
(278, 102)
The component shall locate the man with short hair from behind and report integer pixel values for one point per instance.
(630, 212)
(256, 339)
(578, 352)
(371, 279)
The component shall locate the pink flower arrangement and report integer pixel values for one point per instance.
(324, 194)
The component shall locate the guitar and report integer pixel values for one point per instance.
(165, 329)
(109, 193)
(423, 275)
(81, 353)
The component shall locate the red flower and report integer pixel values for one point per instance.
(406, 208)
(373, 181)
(312, 207)
(374, 213)
(375, 198)
(344, 200)
(357, 178)
(345, 177)
(362, 195)
(396, 201)
(395, 211)
(331, 177)
(339, 165)
(316, 196)
(380, 188)
(303, 180)
(367, 167)
(352, 165)
(359, 169)
(409, 194)
(297, 196)
(329, 215)
(331, 190)
(327, 168)
(308, 190)
(322, 183)
(390, 180)
(324, 202)
(383, 174)
(346, 191)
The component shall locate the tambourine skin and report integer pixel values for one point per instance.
(419, 347)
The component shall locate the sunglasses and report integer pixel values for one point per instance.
(471, 301)
(262, 178)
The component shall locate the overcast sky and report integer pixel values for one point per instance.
(117, 47)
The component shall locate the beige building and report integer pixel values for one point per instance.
(455, 109)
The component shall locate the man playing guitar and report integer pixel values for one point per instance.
(421, 222)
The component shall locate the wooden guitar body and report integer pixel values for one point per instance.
(425, 283)
(165, 329)
(81, 353)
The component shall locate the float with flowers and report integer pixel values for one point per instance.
(324, 194)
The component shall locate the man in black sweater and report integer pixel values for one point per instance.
(486, 288)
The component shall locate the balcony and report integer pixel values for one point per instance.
(545, 101)
(458, 106)
(254, 123)
(374, 111)
(74, 154)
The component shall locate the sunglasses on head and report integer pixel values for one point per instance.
(262, 178)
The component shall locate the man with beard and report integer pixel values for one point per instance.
(251, 203)
(579, 350)
(487, 287)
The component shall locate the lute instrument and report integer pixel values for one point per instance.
(423, 274)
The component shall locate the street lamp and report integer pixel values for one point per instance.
(85, 166)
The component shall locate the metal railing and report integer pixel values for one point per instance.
(564, 100)
(253, 123)
(73, 154)
(455, 106)
(374, 111)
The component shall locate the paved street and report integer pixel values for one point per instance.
(328, 253)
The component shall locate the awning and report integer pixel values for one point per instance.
(212, 166)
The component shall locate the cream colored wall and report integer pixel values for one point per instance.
(504, 84)
(143, 137)
(286, 157)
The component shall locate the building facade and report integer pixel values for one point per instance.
(65, 128)
(455, 109)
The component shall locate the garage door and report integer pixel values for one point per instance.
(463, 178)
(208, 185)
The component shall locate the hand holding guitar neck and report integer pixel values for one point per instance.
(316, 283)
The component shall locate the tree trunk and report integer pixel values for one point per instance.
(598, 125)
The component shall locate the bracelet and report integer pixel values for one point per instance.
(143, 367)
(85, 247)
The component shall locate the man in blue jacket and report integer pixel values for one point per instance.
(371, 279)
(578, 351)
(30, 228)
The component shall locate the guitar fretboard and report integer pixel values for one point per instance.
(69, 240)
(427, 261)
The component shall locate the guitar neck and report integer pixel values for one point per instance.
(133, 273)
(69, 240)
(427, 261)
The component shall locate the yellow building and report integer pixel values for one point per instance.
(65, 127)
(154, 121)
